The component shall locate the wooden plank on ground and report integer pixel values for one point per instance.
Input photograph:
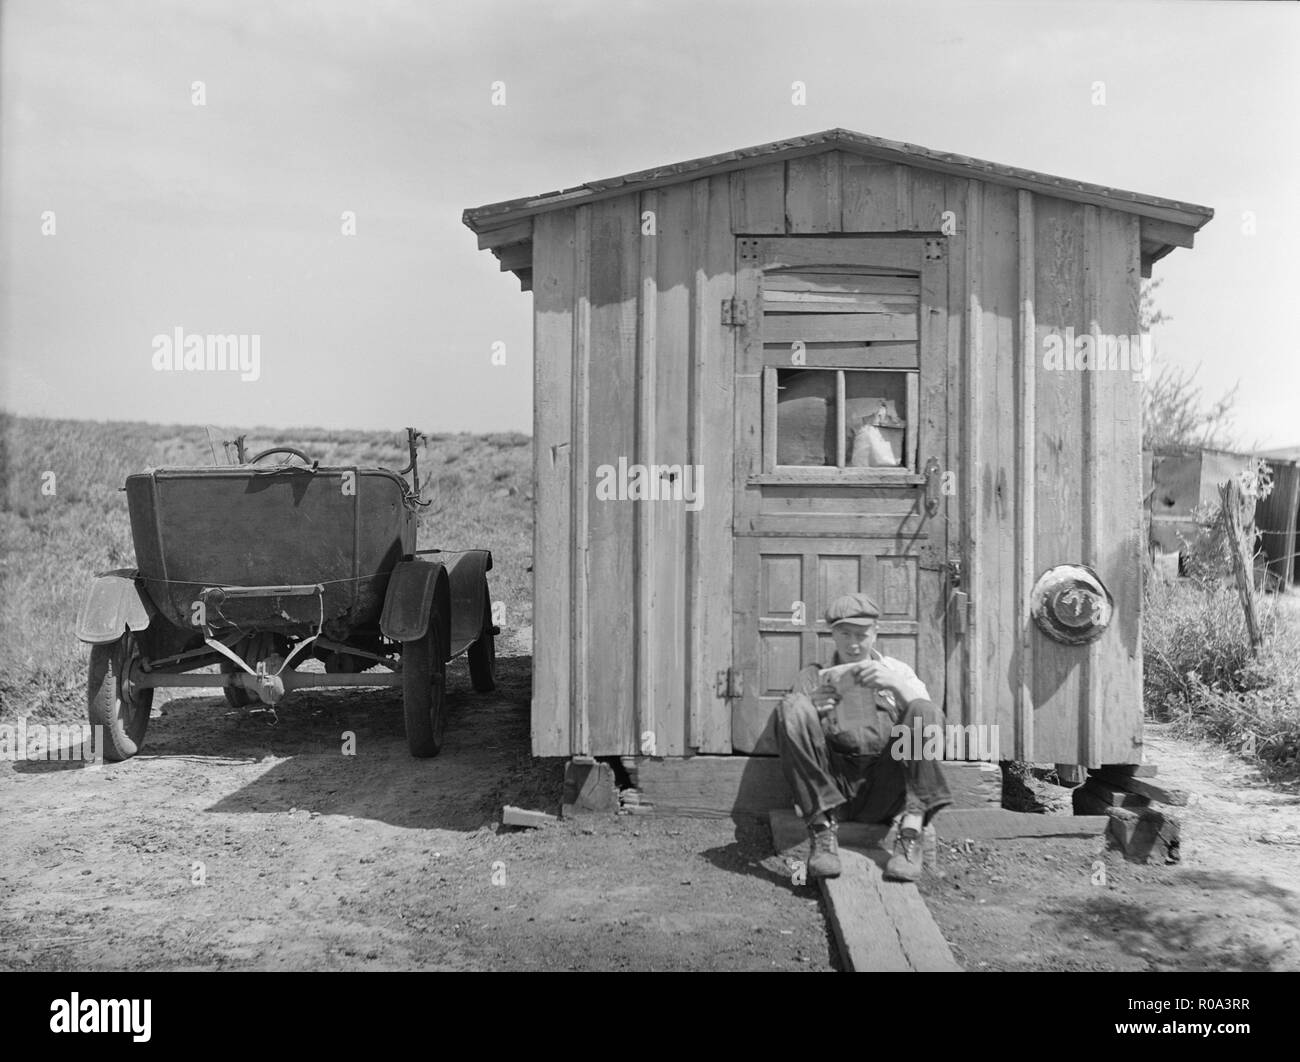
(879, 925)
(513, 816)
(996, 824)
(1113, 796)
(1141, 787)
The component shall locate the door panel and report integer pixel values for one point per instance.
(835, 375)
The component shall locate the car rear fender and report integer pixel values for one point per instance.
(113, 604)
(415, 589)
(468, 574)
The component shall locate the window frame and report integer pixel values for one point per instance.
(906, 474)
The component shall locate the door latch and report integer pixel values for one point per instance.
(932, 474)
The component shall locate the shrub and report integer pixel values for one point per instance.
(1200, 673)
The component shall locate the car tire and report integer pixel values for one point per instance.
(122, 711)
(483, 653)
(424, 691)
(236, 696)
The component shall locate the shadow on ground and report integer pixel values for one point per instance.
(485, 761)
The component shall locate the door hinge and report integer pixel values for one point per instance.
(731, 684)
(934, 250)
(733, 313)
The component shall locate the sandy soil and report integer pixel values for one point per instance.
(1231, 903)
(243, 839)
(314, 860)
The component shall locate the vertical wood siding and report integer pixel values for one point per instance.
(632, 612)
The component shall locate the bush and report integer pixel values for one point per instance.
(1199, 671)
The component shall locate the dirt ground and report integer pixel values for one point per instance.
(1231, 903)
(314, 860)
(245, 840)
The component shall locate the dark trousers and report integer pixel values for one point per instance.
(874, 788)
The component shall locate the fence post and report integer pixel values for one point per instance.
(1230, 512)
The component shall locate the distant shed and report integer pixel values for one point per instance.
(1175, 480)
(1278, 517)
(844, 337)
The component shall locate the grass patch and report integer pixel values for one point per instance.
(1200, 673)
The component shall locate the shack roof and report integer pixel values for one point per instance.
(506, 227)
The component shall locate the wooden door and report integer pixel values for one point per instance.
(841, 397)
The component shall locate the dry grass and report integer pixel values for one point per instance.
(1200, 672)
(51, 544)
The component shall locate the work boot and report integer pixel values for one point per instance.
(908, 859)
(823, 852)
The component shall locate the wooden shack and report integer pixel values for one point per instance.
(777, 375)
(1177, 479)
(1278, 519)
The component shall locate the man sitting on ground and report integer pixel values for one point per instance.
(835, 744)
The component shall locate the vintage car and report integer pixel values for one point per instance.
(260, 564)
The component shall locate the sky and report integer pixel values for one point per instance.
(222, 207)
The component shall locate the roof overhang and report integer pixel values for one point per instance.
(506, 228)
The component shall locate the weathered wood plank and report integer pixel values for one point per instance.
(1144, 788)
(714, 398)
(1095, 436)
(648, 669)
(972, 466)
(672, 404)
(757, 198)
(879, 925)
(554, 344)
(847, 355)
(1116, 658)
(974, 785)
(957, 704)
(868, 195)
(513, 816)
(1026, 361)
(712, 786)
(927, 437)
(839, 327)
(812, 194)
(519, 232)
(995, 590)
(836, 302)
(516, 256)
(847, 282)
(580, 494)
(1058, 507)
(997, 824)
(809, 254)
(928, 200)
(614, 288)
(1114, 796)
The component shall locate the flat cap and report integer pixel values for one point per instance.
(852, 608)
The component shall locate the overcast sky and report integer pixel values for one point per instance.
(227, 217)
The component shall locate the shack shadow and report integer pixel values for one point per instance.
(1146, 933)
